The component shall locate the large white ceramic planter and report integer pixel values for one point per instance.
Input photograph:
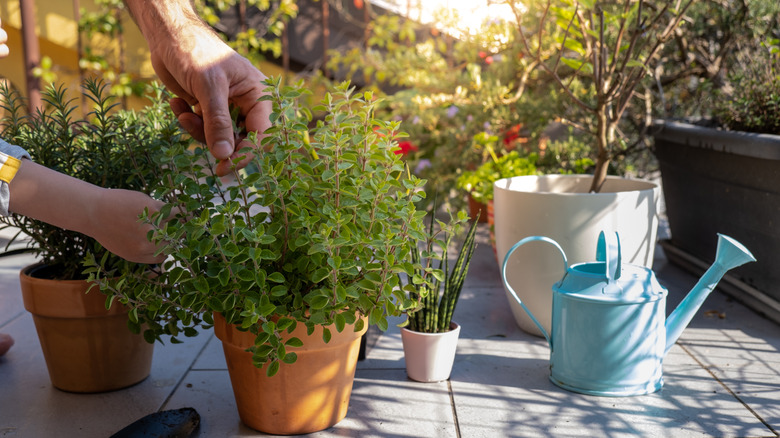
(560, 207)
(429, 356)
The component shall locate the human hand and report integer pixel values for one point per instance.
(207, 76)
(118, 228)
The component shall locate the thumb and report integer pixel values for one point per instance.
(218, 126)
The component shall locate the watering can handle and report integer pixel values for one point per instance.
(608, 250)
(512, 291)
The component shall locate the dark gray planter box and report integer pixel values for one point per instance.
(725, 182)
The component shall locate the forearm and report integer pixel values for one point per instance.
(108, 216)
(162, 18)
(44, 194)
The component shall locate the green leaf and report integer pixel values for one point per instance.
(318, 302)
(294, 342)
(224, 277)
(273, 368)
(319, 275)
(586, 67)
(290, 358)
(133, 315)
(149, 336)
(276, 277)
(340, 322)
(283, 323)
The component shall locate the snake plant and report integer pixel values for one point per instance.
(437, 289)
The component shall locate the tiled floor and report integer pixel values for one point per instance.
(721, 379)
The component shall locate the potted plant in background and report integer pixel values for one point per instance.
(723, 177)
(430, 336)
(87, 347)
(478, 183)
(598, 53)
(290, 263)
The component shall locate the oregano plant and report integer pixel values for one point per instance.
(316, 234)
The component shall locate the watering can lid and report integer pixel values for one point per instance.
(609, 279)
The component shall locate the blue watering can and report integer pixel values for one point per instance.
(609, 334)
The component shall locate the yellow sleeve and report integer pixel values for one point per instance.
(8, 167)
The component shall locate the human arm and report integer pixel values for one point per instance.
(110, 216)
(206, 74)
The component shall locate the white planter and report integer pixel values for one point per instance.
(560, 207)
(429, 356)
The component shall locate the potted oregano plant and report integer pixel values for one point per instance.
(429, 334)
(290, 262)
(86, 342)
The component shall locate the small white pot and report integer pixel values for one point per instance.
(429, 356)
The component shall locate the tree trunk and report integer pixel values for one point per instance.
(325, 36)
(602, 140)
(32, 55)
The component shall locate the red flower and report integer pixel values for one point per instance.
(482, 54)
(513, 134)
(404, 147)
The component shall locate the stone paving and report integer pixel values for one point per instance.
(721, 379)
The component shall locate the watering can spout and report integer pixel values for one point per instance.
(730, 254)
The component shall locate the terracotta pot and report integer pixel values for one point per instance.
(492, 227)
(477, 208)
(429, 356)
(87, 348)
(309, 395)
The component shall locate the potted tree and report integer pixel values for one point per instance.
(86, 344)
(721, 178)
(290, 263)
(598, 53)
(429, 335)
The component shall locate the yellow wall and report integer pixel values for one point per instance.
(57, 37)
(57, 32)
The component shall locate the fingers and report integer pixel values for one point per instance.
(192, 122)
(188, 119)
(258, 119)
(217, 123)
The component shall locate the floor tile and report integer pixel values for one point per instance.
(721, 379)
(383, 404)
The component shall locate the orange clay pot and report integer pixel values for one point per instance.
(309, 395)
(477, 208)
(87, 348)
(492, 229)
